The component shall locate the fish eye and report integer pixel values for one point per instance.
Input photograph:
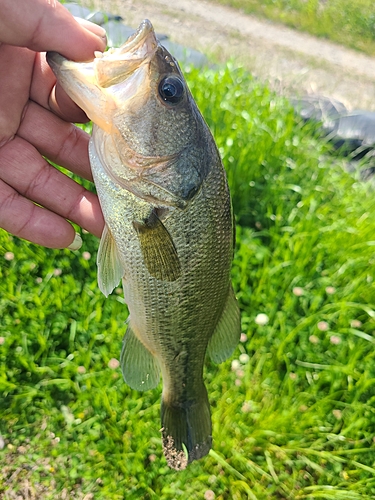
(171, 89)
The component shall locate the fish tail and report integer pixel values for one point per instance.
(186, 429)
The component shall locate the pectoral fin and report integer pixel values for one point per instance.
(110, 270)
(158, 250)
(228, 331)
(140, 368)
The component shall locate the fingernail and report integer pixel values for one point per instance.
(76, 243)
(96, 29)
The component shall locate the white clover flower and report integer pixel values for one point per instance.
(113, 363)
(209, 495)
(9, 256)
(236, 365)
(335, 339)
(244, 358)
(298, 291)
(323, 326)
(261, 319)
(337, 414)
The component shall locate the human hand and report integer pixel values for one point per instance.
(35, 121)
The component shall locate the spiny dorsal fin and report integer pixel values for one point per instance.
(227, 333)
(158, 250)
(110, 269)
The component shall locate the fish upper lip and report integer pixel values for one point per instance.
(132, 46)
(138, 37)
(114, 65)
(118, 63)
(134, 41)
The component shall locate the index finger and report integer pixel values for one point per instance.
(43, 25)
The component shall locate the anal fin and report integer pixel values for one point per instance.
(140, 368)
(110, 270)
(228, 330)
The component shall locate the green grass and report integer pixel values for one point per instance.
(293, 410)
(348, 22)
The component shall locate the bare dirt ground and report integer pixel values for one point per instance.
(293, 63)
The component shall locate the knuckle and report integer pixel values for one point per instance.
(8, 129)
(39, 181)
(68, 145)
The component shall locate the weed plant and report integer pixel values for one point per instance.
(293, 409)
(348, 22)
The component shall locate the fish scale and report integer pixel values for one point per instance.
(169, 228)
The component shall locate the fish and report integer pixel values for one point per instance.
(169, 228)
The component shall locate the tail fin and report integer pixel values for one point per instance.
(186, 429)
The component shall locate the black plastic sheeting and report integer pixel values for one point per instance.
(353, 131)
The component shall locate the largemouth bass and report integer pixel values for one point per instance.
(169, 228)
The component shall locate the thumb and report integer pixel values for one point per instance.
(43, 25)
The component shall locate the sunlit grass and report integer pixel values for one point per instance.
(293, 410)
(348, 22)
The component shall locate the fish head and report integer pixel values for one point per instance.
(138, 95)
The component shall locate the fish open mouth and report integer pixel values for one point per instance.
(114, 65)
(117, 78)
